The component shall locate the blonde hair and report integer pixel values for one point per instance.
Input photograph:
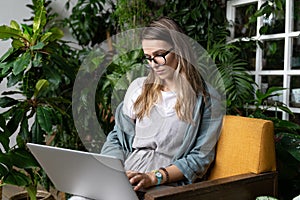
(188, 81)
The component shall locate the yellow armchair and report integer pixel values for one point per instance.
(244, 168)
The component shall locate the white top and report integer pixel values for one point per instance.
(158, 136)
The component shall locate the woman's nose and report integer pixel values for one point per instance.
(153, 64)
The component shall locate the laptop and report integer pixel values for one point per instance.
(84, 174)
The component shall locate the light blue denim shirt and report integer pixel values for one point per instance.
(197, 151)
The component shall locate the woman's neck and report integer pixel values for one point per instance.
(169, 85)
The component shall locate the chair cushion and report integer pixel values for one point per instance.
(245, 145)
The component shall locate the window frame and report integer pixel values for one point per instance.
(287, 36)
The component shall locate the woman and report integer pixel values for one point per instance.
(168, 125)
(166, 129)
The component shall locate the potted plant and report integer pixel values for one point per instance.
(40, 70)
(18, 167)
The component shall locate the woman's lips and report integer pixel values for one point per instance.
(161, 71)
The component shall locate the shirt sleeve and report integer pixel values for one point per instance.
(133, 92)
(119, 141)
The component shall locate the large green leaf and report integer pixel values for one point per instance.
(37, 60)
(38, 46)
(24, 131)
(45, 37)
(64, 65)
(6, 161)
(17, 44)
(15, 25)
(23, 158)
(7, 102)
(21, 63)
(40, 86)
(44, 116)
(7, 32)
(5, 67)
(285, 109)
(17, 178)
(53, 76)
(36, 132)
(7, 54)
(40, 19)
(13, 79)
(15, 120)
(4, 135)
(3, 169)
(56, 34)
(27, 32)
(287, 154)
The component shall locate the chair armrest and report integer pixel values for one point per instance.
(245, 186)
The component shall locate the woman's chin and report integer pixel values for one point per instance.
(164, 75)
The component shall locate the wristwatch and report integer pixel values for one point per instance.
(159, 176)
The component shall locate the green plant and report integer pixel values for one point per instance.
(108, 79)
(40, 70)
(114, 83)
(133, 14)
(90, 21)
(198, 18)
(287, 139)
(18, 166)
(238, 83)
(273, 14)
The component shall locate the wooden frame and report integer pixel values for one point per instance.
(244, 186)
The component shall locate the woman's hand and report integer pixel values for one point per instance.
(141, 180)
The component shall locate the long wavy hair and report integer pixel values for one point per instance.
(188, 81)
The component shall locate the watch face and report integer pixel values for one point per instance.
(158, 174)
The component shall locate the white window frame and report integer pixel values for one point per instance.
(287, 36)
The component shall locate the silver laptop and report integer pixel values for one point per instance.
(84, 174)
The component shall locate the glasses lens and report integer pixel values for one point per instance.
(159, 60)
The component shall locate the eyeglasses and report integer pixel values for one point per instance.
(158, 59)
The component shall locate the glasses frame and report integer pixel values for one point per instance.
(150, 59)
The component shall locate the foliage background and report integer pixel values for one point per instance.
(93, 21)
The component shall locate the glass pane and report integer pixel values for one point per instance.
(273, 55)
(295, 91)
(272, 81)
(275, 22)
(295, 62)
(242, 15)
(277, 114)
(296, 15)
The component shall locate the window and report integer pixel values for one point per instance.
(279, 63)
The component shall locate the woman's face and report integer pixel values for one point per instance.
(155, 51)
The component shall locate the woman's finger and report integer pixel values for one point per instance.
(135, 177)
(131, 174)
(139, 185)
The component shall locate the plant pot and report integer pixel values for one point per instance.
(41, 195)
